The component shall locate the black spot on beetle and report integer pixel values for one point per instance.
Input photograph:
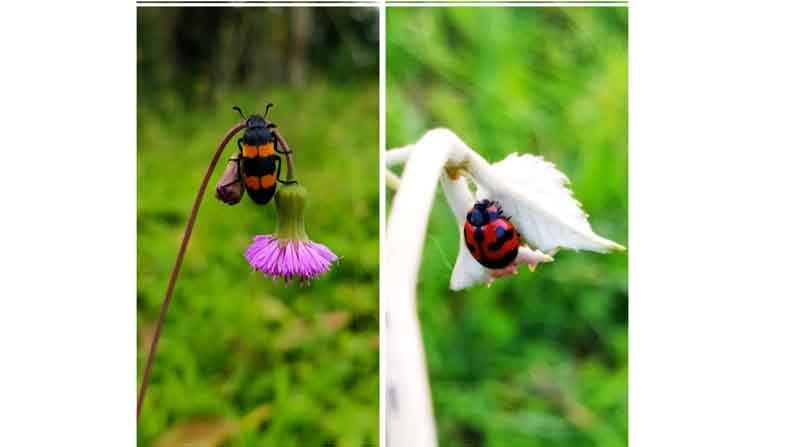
(503, 236)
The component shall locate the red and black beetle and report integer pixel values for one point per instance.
(490, 236)
(259, 162)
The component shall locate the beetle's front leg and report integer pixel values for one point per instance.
(285, 182)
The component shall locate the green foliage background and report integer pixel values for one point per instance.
(243, 361)
(539, 359)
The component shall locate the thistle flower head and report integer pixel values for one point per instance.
(289, 253)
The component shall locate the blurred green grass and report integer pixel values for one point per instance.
(242, 360)
(539, 359)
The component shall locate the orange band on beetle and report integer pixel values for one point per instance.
(253, 182)
(266, 150)
(268, 181)
(249, 151)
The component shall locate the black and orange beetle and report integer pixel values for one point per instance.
(259, 159)
(490, 236)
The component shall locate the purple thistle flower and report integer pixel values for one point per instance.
(289, 253)
(303, 259)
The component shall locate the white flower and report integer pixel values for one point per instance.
(543, 210)
(535, 194)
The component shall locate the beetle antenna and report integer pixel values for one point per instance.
(268, 106)
(238, 109)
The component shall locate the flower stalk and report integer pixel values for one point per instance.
(179, 261)
(409, 408)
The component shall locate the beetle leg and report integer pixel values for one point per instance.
(277, 146)
(240, 158)
(285, 182)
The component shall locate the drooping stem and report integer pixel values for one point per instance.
(179, 261)
(409, 410)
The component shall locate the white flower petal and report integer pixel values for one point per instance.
(531, 257)
(468, 272)
(542, 207)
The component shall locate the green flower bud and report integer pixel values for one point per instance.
(290, 201)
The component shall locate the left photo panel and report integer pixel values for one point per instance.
(257, 226)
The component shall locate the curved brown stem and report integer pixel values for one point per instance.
(176, 268)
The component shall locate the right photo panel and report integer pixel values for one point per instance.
(505, 264)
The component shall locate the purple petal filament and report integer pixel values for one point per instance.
(289, 259)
